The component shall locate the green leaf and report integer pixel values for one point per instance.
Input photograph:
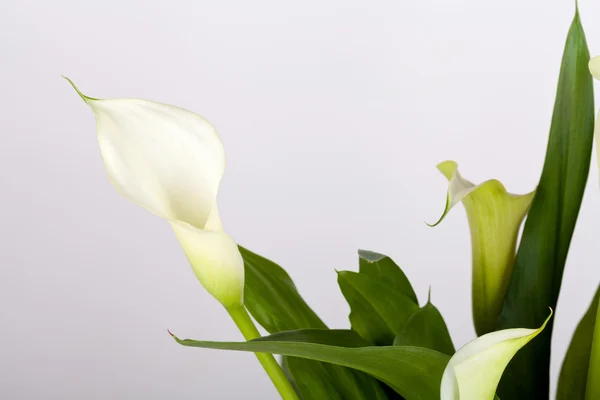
(413, 372)
(540, 259)
(286, 370)
(312, 379)
(330, 337)
(317, 380)
(426, 328)
(494, 219)
(379, 266)
(273, 300)
(572, 381)
(377, 310)
(323, 381)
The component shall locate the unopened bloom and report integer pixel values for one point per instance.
(494, 219)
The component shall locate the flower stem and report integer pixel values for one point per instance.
(246, 326)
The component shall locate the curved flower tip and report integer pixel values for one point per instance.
(458, 187)
(83, 96)
(475, 370)
(594, 66)
(494, 217)
(171, 161)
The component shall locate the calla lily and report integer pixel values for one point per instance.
(475, 370)
(494, 219)
(170, 161)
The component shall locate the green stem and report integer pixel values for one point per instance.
(593, 384)
(246, 326)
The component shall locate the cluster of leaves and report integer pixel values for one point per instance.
(406, 348)
(397, 349)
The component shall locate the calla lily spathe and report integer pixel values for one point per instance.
(171, 161)
(494, 219)
(474, 371)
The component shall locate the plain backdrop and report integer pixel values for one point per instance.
(334, 115)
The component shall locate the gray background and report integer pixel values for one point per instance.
(334, 115)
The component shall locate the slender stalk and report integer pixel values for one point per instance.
(246, 326)
(593, 384)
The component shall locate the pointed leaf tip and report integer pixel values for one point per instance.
(370, 256)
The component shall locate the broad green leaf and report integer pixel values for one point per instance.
(377, 310)
(413, 372)
(494, 219)
(320, 380)
(311, 379)
(317, 380)
(286, 370)
(574, 372)
(330, 337)
(382, 267)
(426, 328)
(542, 253)
(272, 299)
(474, 371)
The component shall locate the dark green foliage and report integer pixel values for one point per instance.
(547, 233)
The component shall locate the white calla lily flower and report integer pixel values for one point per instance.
(474, 371)
(171, 161)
